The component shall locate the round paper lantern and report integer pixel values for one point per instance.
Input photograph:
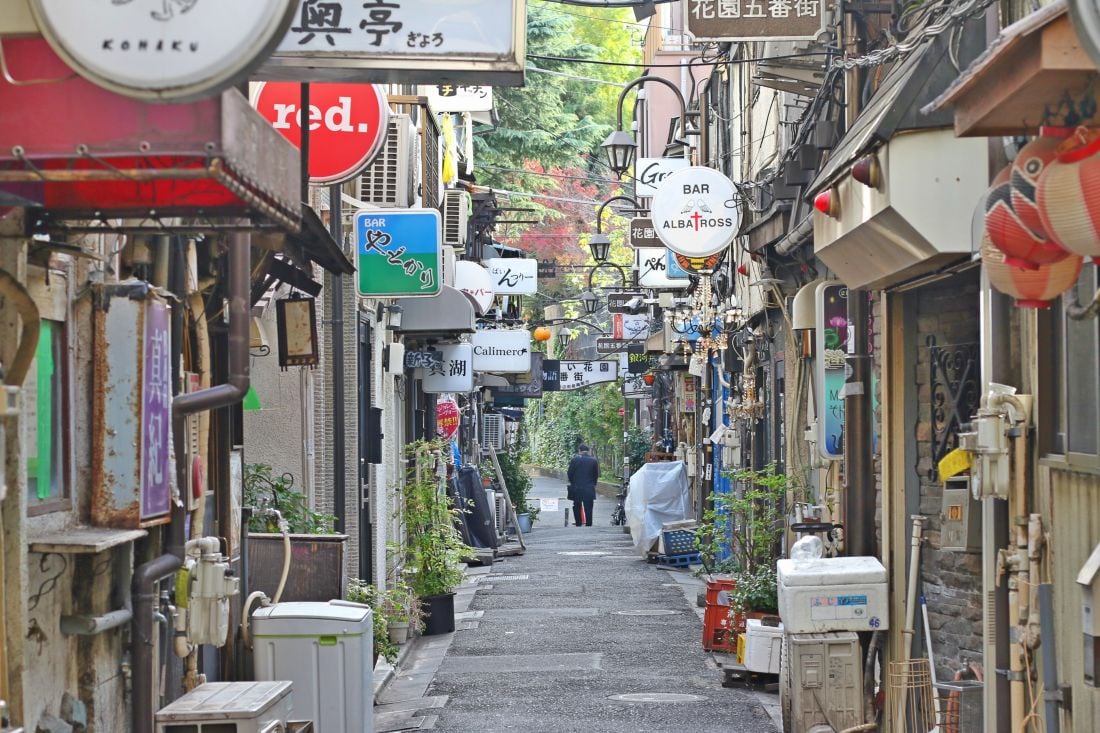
(649, 379)
(542, 333)
(1068, 196)
(1026, 169)
(1031, 288)
(1022, 247)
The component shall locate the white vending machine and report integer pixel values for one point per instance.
(326, 650)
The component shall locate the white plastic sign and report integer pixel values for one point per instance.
(649, 173)
(696, 211)
(507, 351)
(513, 275)
(652, 266)
(474, 280)
(454, 373)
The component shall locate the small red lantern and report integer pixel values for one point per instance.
(1068, 195)
(1021, 245)
(649, 379)
(868, 171)
(828, 203)
(1031, 288)
(542, 333)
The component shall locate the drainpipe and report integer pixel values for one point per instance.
(859, 498)
(147, 575)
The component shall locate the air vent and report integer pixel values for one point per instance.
(492, 431)
(390, 181)
(456, 212)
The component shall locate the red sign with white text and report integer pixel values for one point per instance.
(447, 419)
(347, 124)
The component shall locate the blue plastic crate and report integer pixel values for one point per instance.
(679, 541)
(679, 561)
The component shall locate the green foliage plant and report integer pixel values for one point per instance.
(517, 480)
(359, 591)
(434, 549)
(264, 490)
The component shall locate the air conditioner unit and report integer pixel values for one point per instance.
(492, 431)
(456, 212)
(501, 509)
(229, 707)
(821, 681)
(390, 181)
(491, 498)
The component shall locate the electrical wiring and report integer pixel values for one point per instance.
(962, 12)
(642, 65)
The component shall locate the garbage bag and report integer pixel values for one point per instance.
(658, 494)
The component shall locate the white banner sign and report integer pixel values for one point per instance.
(577, 374)
(513, 275)
(458, 97)
(506, 351)
(455, 373)
(650, 172)
(652, 266)
(473, 280)
(696, 211)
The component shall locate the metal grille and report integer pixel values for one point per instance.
(492, 431)
(430, 163)
(954, 394)
(455, 216)
(388, 180)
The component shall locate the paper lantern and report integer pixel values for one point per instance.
(1031, 288)
(1068, 196)
(1026, 169)
(1022, 246)
(649, 379)
(542, 333)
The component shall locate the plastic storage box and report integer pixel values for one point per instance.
(832, 594)
(240, 707)
(763, 645)
(325, 649)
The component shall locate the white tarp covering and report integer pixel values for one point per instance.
(658, 494)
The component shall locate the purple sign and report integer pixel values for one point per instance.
(156, 401)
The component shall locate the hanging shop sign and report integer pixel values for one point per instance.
(653, 272)
(642, 233)
(506, 350)
(755, 20)
(170, 50)
(547, 270)
(296, 324)
(629, 327)
(695, 265)
(403, 41)
(696, 211)
(399, 252)
(347, 124)
(454, 372)
(635, 388)
(832, 335)
(572, 375)
(458, 97)
(448, 418)
(551, 375)
(649, 173)
(475, 281)
(425, 359)
(513, 275)
(637, 359)
(613, 346)
(526, 385)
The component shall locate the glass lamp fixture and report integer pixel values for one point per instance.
(600, 244)
(564, 335)
(590, 301)
(620, 148)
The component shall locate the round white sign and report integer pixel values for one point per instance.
(171, 50)
(696, 211)
(473, 280)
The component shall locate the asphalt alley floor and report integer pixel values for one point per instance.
(550, 641)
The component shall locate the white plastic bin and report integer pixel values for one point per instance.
(326, 650)
(832, 594)
(763, 645)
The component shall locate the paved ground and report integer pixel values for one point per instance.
(546, 641)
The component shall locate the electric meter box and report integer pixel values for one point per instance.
(832, 594)
(221, 707)
(325, 649)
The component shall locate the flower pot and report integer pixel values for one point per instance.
(399, 631)
(524, 522)
(439, 614)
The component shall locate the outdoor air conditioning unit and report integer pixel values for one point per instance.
(501, 510)
(230, 707)
(821, 681)
(492, 431)
(456, 213)
(390, 181)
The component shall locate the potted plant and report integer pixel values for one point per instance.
(360, 591)
(316, 572)
(518, 483)
(434, 548)
(401, 609)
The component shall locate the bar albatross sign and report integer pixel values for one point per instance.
(171, 50)
(696, 211)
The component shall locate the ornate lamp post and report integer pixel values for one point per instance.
(600, 243)
(619, 145)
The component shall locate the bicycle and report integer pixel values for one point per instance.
(618, 516)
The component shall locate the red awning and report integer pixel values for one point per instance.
(83, 152)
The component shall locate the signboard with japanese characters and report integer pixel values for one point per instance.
(526, 385)
(423, 359)
(620, 302)
(551, 375)
(832, 348)
(347, 124)
(637, 360)
(650, 172)
(696, 211)
(403, 41)
(399, 252)
(578, 374)
(176, 50)
(505, 350)
(653, 272)
(613, 346)
(448, 418)
(475, 281)
(629, 327)
(513, 275)
(156, 398)
(635, 388)
(642, 233)
(754, 20)
(458, 97)
(454, 372)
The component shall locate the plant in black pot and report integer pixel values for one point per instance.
(434, 548)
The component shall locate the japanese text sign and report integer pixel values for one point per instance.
(642, 233)
(399, 252)
(458, 97)
(577, 374)
(527, 385)
(635, 388)
(637, 359)
(156, 400)
(423, 359)
(513, 275)
(832, 347)
(454, 373)
(410, 41)
(754, 20)
(448, 418)
(653, 272)
(629, 327)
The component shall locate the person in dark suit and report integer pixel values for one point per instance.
(584, 472)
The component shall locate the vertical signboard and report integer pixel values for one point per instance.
(156, 400)
(832, 346)
(399, 252)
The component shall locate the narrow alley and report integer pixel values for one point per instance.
(578, 634)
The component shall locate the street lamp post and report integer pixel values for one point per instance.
(600, 243)
(619, 145)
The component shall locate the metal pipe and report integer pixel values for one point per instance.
(910, 610)
(92, 625)
(859, 495)
(339, 445)
(144, 592)
(13, 290)
(1052, 690)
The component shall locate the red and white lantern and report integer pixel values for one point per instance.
(1022, 246)
(1033, 288)
(1068, 196)
(1026, 169)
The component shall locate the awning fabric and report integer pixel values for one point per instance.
(447, 313)
(84, 152)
